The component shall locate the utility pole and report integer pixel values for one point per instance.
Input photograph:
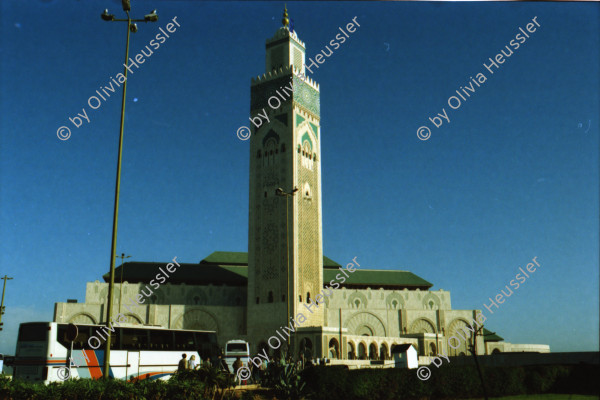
(5, 278)
(122, 256)
(473, 349)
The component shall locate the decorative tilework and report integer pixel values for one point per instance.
(304, 94)
(297, 58)
(260, 94)
(282, 118)
(306, 136)
(315, 129)
(307, 97)
(271, 134)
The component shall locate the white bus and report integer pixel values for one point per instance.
(235, 349)
(137, 352)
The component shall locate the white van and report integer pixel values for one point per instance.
(235, 349)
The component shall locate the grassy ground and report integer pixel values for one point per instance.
(263, 394)
(548, 397)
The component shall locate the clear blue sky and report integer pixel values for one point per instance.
(513, 176)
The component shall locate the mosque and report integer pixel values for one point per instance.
(252, 295)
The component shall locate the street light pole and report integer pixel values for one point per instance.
(280, 192)
(5, 278)
(473, 349)
(152, 17)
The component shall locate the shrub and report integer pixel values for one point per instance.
(331, 383)
(290, 386)
(448, 382)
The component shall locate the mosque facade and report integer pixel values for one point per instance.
(284, 280)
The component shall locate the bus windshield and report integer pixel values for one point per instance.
(37, 332)
(235, 347)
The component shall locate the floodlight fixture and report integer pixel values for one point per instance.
(152, 17)
(106, 16)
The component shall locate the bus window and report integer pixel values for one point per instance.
(184, 341)
(115, 343)
(236, 347)
(213, 337)
(34, 332)
(202, 337)
(161, 340)
(134, 339)
(80, 342)
(206, 337)
(206, 344)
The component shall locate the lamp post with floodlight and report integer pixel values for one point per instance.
(152, 17)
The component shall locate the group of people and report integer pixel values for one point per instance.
(191, 364)
(185, 364)
(257, 373)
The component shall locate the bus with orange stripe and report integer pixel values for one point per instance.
(44, 354)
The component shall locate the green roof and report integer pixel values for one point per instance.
(190, 274)
(329, 263)
(231, 268)
(378, 278)
(227, 257)
(241, 258)
(489, 336)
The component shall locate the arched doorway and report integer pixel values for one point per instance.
(432, 351)
(306, 349)
(351, 351)
(460, 337)
(373, 351)
(334, 349)
(362, 351)
(383, 352)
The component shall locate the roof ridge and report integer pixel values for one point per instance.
(383, 270)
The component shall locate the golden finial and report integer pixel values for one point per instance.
(285, 19)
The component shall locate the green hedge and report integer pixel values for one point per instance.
(448, 382)
(201, 384)
(88, 389)
(332, 383)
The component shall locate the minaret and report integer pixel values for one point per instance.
(285, 152)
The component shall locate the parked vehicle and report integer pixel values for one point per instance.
(137, 352)
(235, 349)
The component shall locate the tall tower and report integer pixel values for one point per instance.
(285, 152)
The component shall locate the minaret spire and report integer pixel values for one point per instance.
(285, 19)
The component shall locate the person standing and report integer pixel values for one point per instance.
(192, 364)
(183, 363)
(263, 371)
(222, 364)
(237, 364)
